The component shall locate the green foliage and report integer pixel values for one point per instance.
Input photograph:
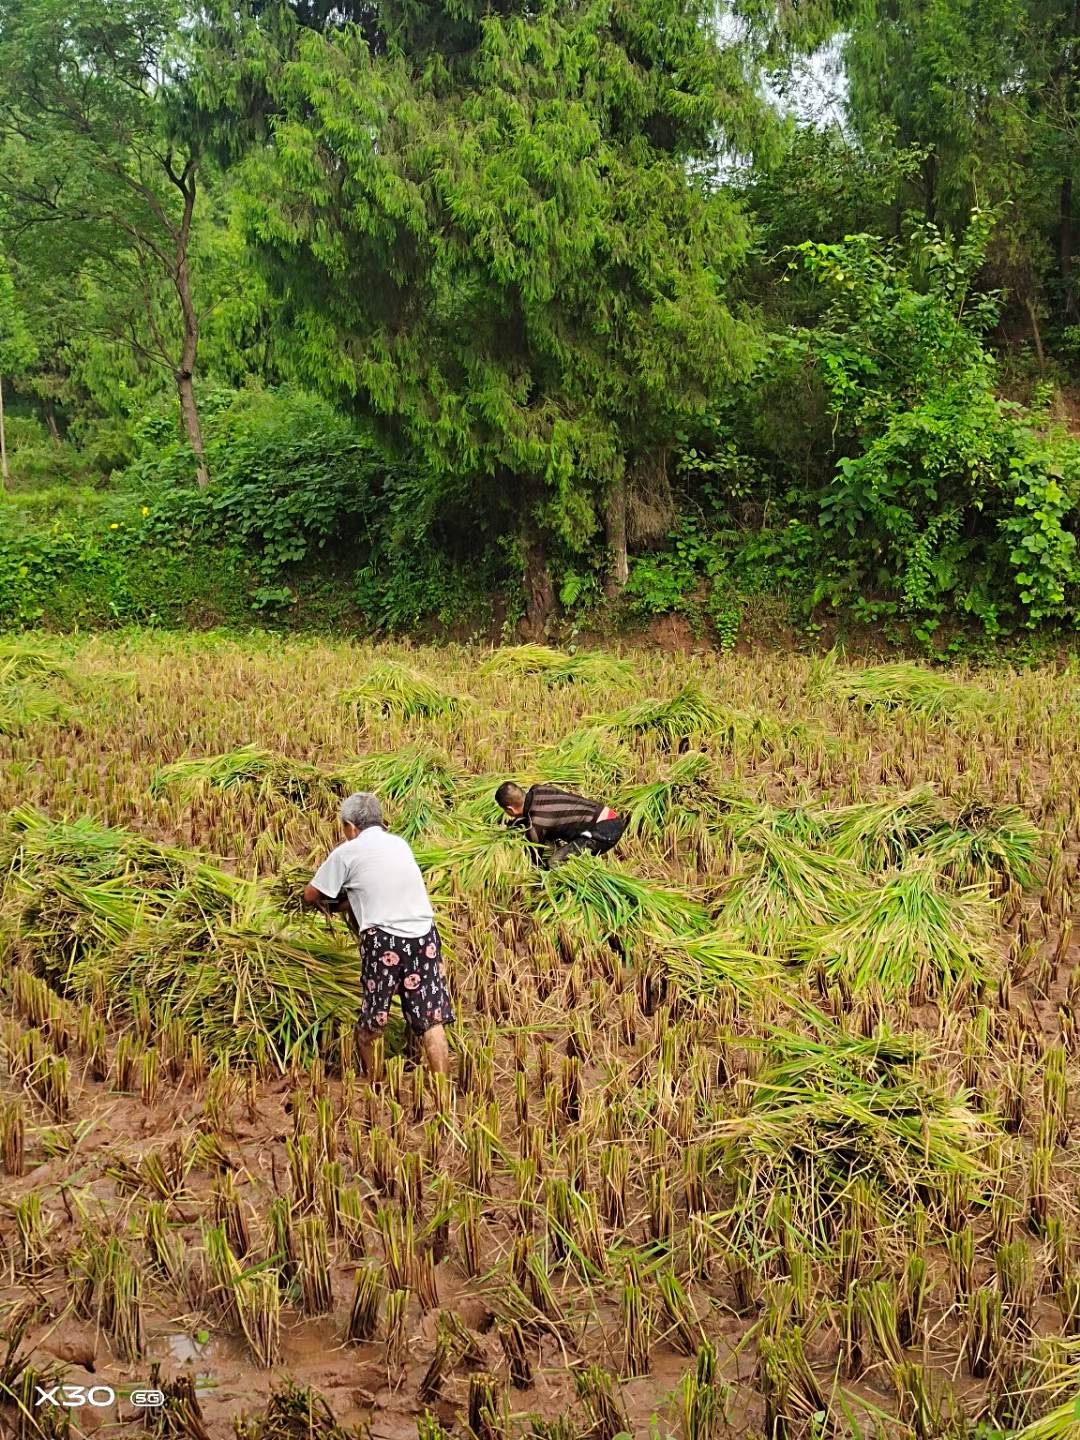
(17, 349)
(943, 496)
(542, 275)
(99, 177)
(692, 576)
(533, 325)
(290, 474)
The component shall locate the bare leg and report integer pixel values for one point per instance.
(436, 1050)
(365, 1043)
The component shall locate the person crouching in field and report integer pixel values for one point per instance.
(569, 823)
(373, 878)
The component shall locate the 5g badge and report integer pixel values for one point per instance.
(72, 1397)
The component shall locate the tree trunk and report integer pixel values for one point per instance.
(539, 590)
(185, 375)
(615, 525)
(192, 429)
(50, 421)
(1070, 59)
(4, 475)
(930, 188)
(1036, 335)
(1065, 243)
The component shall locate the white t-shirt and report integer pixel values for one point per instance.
(382, 880)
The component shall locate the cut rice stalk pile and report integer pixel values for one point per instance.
(95, 910)
(235, 983)
(592, 759)
(912, 936)
(28, 680)
(688, 717)
(673, 801)
(716, 961)
(416, 783)
(391, 688)
(30, 841)
(23, 706)
(482, 862)
(24, 660)
(880, 834)
(890, 686)
(556, 667)
(248, 767)
(969, 842)
(984, 841)
(786, 887)
(849, 1106)
(592, 900)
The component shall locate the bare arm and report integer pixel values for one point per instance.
(338, 905)
(330, 906)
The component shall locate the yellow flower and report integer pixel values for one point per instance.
(114, 527)
(146, 509)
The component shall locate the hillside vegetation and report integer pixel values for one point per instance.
(469, 319)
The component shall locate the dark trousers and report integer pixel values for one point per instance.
(598, 839)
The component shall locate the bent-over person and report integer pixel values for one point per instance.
(373, 877)
(566, 822)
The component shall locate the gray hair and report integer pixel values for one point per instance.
(362, 810)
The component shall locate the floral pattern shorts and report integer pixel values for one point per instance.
(391, 965)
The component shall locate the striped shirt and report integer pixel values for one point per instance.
(554, 814)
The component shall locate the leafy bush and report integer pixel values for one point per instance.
(289, 474)
(944, 498)
(304, 515)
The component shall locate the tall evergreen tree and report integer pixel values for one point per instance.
(505, 239)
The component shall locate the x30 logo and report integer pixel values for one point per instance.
(72, 1396)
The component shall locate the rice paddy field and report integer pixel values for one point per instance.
(765, 1126)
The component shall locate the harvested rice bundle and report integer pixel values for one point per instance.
(593, 901)
(741, 816)
(22, 659)
(880, 834)
(60, 919)
(97, 910)
(691, 716)
(26, 695)
(784, 888)
(847, 1106)
(416, 783)
(970, 842)
(233, 983)
(556, 667)
(391, 688)
(983, 841)
(706, 964)
(589, 759)
(268, 774)
(22, 706)
(901, 684)
(478, 862)
(913, 936)
(672, 804)
(31, 842)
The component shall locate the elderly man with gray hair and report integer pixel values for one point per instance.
(373, 878)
